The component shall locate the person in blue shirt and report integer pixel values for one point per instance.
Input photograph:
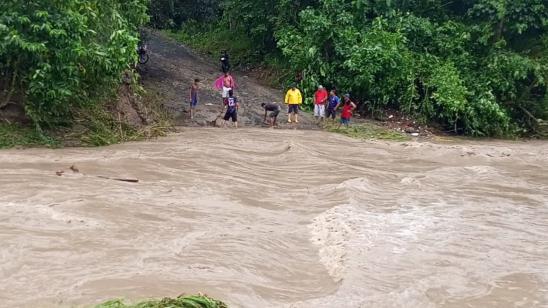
(333, 103)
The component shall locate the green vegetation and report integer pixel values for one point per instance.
(367, 131)
(57, 57)
(180, 302)
(14, 135)
(477, 67)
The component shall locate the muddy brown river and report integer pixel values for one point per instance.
(277, 218)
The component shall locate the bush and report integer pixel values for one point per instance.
(65, 54)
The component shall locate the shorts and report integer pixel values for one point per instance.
(231, 114)
(194, 101)
(331, 113)
(293, 109)
(345, 121)
(319, 110)
(274, 114)
(225, 92)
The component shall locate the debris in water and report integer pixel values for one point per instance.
(60, 172)
(74, 169)
(118, 179)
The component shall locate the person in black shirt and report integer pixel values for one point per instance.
(274, 109)
(225, 64)
(232, 106)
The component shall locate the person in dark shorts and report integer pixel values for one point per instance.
(194, 97)
(347, 110)
(293, 99)
(232, 106)
(333, 103)
(274, 109)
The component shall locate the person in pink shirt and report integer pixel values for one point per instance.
(320, 98)
(225, 83)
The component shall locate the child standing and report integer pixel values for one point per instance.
(194, 96)
(347, 110)
(232, 106)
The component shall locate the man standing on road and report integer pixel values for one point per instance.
(228, 85)
(333, 103)
(224, 84)
(320, 98)
(232, 106)
(194, 97)
(293, 98)
(274, 109)
(225, 64)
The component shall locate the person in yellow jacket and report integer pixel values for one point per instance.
(293, 98)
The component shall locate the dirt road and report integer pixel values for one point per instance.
(171, 70)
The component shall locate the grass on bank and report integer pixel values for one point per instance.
(367, 131)
(194, 301)
(12, 135)
(96, 125)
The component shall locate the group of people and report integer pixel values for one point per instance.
(326, 104)
(226, 84)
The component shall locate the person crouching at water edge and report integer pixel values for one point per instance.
(293, 98)
(274, 109)
(347, 110)
(232, 107)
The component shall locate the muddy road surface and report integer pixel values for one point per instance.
(171, 70)
(277, 218)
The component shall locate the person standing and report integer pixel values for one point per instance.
(320, 99)
(194, 97)
(293, 98)
(228, 85)
(232, 106)
(274, 109)
(347, 110)
(225, 64)
(333, 103)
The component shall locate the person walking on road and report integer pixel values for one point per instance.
(293, 98)
(274, 109)
(194, 96)
(320, 99)
(225, 62)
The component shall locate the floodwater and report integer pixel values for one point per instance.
(272, 218)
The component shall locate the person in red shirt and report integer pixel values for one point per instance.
(320, 98)
(347, 110)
